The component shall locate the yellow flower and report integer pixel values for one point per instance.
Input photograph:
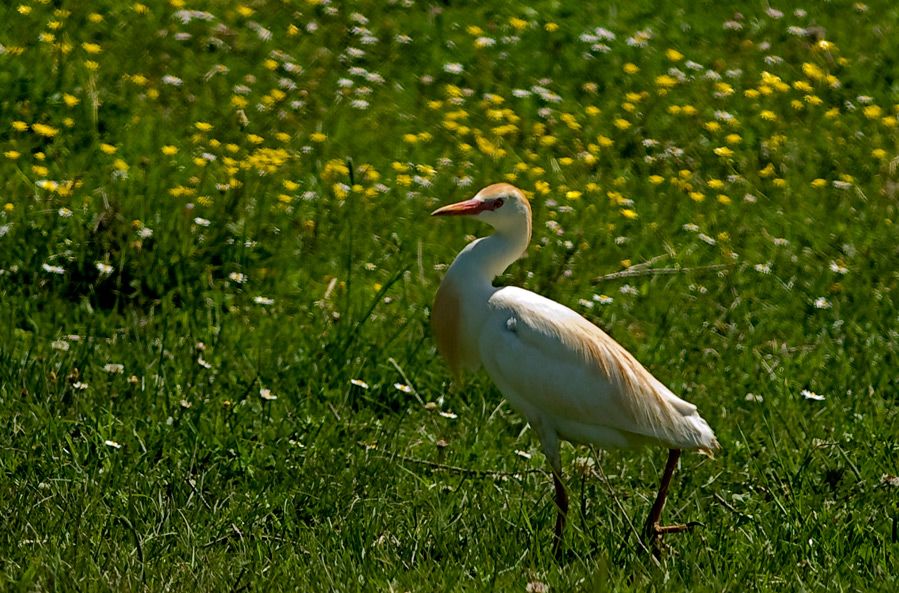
(120, 165)
(819, 183)
(12, 154)
(518, 24)
(712, 126)
(629, 213)
(724, 199)
(108, 148)
(91, 48)
(768, 171)
(95, 17)
(24, 9)
(813, 99)
(245, 11)
(203, 126)
(70, 100)
(19, 126)
(604, 141)
(656, 179)
(812, 71)
(169, 150)
(631, 68)
(780, 182)
(832, 113)
(548, 140)
(91, 65)
(551, 27)
(674, 55)
(724, 89)
(724, 151)
(751, 93)
(636, 97)
(474, 30)
(697, 196)
(44, 130)
(573, 195)
(622, 124)
(733, 138)
(715, 183)
(238, 101)
(665, 81)
(768, 115)
(318, 137)
(872, 111)
(592, 110)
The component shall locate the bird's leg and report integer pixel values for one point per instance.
(552, 448)
(652, 531)
(562, 503)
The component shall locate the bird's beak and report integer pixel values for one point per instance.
(472, 206)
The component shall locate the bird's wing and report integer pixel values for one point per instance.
(556, 366)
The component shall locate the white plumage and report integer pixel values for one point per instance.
(565, 375)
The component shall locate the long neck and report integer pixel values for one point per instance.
(484, 259)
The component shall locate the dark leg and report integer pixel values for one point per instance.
(652, 531)
(562, 503)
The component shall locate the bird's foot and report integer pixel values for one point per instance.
(652, 534)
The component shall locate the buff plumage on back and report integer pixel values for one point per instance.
(650, 408)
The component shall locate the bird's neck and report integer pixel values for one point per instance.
(484, 259)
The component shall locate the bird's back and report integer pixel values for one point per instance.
(561, 370)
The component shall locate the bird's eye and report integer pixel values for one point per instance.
(497, 203)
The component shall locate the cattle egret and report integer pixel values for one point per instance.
(567, 377)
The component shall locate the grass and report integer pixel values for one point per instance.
(216, 264)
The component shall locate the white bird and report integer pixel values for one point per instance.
(567, 377)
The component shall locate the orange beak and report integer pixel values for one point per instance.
(467, 207)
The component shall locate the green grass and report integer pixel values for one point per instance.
(289, 248)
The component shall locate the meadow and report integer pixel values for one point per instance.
(217, 265)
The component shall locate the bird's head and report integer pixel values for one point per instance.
(502, 206)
